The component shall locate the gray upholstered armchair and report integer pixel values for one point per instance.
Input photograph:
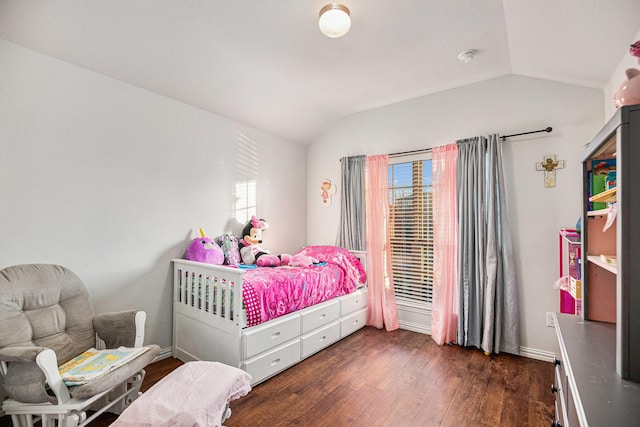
(46, 319)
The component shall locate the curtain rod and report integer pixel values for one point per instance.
(547, 129)
(427, 150)
(404, 153)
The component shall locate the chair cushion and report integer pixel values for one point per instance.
(117, 328)
(45, 305)
(118, 376)
(48, 306)
(25, 381)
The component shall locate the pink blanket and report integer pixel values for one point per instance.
(270, 292)
(195, 394)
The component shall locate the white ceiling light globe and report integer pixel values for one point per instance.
(334, 20)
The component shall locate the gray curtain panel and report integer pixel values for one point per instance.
(489, 316)
(351, 234)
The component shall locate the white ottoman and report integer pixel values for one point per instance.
(195, 394)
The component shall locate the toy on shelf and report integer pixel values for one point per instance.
(629, 91)
(634, 50)
(600, 174)
(570, 263)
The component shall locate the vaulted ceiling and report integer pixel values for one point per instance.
(266, 64)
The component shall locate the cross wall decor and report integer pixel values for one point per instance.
(549, 166)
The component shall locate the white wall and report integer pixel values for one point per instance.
(109, 180)
(505, 105)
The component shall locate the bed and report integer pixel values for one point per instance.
(284, 315)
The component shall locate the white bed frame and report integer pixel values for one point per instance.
(206, 329)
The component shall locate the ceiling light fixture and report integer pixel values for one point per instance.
(467, 56)
(335, 20)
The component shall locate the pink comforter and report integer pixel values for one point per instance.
(270, 292)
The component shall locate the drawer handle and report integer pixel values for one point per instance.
(556, 362)
(322, 316)
(324, 337)
(275, 362)
(355, 322)
(356, 302)
(554, 389)
(276, 335)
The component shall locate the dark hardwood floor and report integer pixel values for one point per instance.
(400, 378)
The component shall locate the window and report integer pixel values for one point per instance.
(411, 230)
(245, 200)
(246, 173)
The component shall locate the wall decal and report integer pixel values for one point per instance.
(327, 189)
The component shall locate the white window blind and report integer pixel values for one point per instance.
(245, 204)
(246, 172)
(411, 230)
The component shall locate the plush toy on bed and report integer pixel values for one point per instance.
(204, 249)
(300, 260)
(252, 252)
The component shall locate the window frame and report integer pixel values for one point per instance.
(406, 294)
(245, 200)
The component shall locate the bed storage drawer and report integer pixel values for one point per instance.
(355, 301)
(317, 340)
(353, 322)
(273, 334)
(272, 362)
(320, 315)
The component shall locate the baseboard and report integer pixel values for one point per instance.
(165, 353)
(534, 353)
(409, 326)
(531, 353)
